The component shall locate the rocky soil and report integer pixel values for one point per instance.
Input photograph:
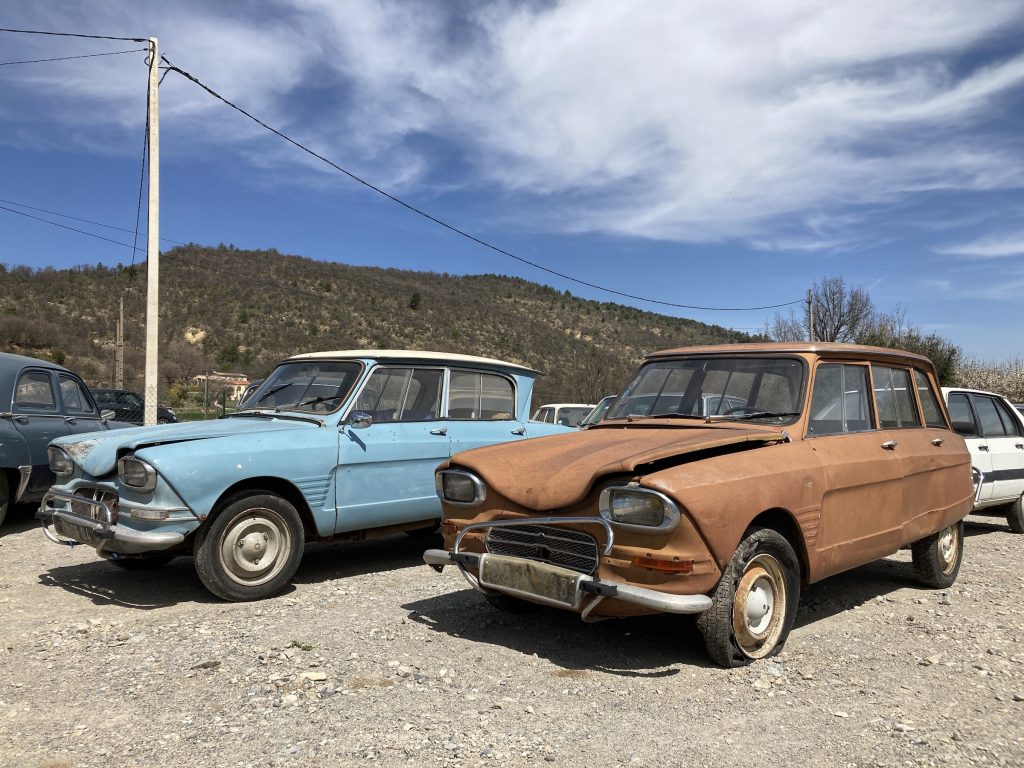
(372, 658)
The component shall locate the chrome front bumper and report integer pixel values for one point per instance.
(99, 529)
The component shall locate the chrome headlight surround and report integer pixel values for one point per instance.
(61, 463)
(459, 488)
(136, 474)
(630, 507)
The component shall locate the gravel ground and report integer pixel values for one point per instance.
(372, 658)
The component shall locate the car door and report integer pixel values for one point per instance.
(864, 478)
(481, 410)
(35, 411)
(1002, 433)
(80, 413)
(386, 470)
(965, 423)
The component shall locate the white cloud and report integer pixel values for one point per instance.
(695, 121)
(989, 247)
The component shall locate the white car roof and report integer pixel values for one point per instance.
(565, 405)
(947, 390)
(410, 354)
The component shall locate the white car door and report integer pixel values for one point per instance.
(966, 425)
(1005, 440)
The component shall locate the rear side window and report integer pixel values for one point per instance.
(34, 392)
(1010, 423)
(896, 406)
(475, 395)
(929, 402)
(840, 401)
(988, 417)
(402, 394)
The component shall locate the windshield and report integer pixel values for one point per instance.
(762, 389)
(599, 411)
(304, 385)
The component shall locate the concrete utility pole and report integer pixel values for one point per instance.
(119, 348)
(153, 238)
(810, 315)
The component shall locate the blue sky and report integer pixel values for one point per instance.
(717, 154)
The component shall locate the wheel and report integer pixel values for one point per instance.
(5, 496)
(937, 557)
(147, 562)
(251, 549)
(426, 532)
(1014, 515)
(754, 605)
(509, 604)
(162, 421)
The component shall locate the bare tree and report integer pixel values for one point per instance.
(841, 313)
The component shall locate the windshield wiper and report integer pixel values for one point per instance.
(314, 401)
(268, 393)
(755, 415)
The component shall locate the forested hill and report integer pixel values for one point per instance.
(228, 309)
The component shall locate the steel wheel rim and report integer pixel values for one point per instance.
(948, 548)
(255, 547)
(760, 606)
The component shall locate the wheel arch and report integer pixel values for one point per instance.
(782, 521)
(276, 485)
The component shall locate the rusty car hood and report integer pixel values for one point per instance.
(96, 453)
(556, 471)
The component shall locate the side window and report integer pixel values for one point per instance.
(961, 415)
(34, 393)
(402, 394)
(72, 393)
(483, 396)
(929, 403)
(988, 416)
(839, 402)
(1010, 424)
(896, 407)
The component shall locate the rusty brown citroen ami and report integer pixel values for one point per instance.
(721, 480)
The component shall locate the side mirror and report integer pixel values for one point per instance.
(107, 415)
(359, 420)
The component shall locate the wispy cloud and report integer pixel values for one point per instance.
(989, 247)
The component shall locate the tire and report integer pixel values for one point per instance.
(508, 604)
(754, 605)
(232, 551)
(937, 557)
(147, 562)
(5, 496)
(1014, 515)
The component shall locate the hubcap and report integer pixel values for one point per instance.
(759, 606)
(949, 547)
(255, 547)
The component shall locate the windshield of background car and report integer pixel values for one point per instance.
(748, 388)
(315, 386)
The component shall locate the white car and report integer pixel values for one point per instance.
(566, 414)
(994, 432)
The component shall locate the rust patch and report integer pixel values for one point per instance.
(80, 450)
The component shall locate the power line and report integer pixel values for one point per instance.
(74, 34)
(452, 228)
(65, 226)
(87, 221)
(68, 58)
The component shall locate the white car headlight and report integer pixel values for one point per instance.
(461, 488)
(638, 509)
(135, 473)
(61, 463)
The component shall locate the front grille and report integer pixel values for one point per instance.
(91, 511)
(545, 544)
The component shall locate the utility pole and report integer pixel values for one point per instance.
(119, 348)
(153, 238)
(810, 315)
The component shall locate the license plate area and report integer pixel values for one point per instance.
(542, 582)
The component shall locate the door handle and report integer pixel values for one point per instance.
(522, 431)
(983, 448)
(890, 444)
(439, 431)
(1019, 445)
(70, 419)
(938, 441)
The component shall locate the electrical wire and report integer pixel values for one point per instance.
(65, 226)
(68, 58)
(452, 228)
(86, 221)
(74, 34)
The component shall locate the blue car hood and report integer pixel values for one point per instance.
(96, 452)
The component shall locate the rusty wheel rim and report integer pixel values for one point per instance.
(759, 606)
(948, 547)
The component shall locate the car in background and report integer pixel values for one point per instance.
(994, 432)
(129, 406)
(332, 445)
(1019, 407)
(40, 401)
(566, 414)
(598, 412)
(838, 455)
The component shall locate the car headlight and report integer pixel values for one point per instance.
(638, 509)
(61, 463)
(135, 473)
(461, 488)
